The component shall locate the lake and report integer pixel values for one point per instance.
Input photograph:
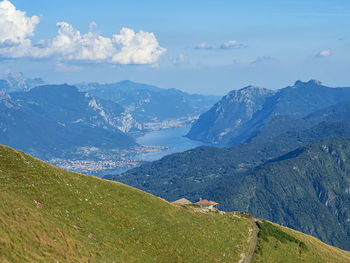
(173, 138)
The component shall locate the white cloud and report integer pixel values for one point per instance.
(62, 67)
(70, 44)
(127, 47)
(181, 59)
(15, 26)
(324, 53)
(204, 45)
(231, 44)
(260, 60)
(92, 26)
(136, 48)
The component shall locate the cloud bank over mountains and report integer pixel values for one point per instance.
(126, 47)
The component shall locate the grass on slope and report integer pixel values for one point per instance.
(281, 244)
(50, 215)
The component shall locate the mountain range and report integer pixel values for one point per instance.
(146, 107)
(228, 174)
(242, 113)
(151, 106)
(279, 136)
(50, 120)
(97, 122)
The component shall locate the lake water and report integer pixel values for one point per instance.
(173, 138)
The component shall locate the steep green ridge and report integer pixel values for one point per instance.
(277, 126)
(307, 189)
(50, 215)
(284, 123)
(339, 111)
(280, 244)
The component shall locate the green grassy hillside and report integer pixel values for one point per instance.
(50, 215)
(307, 189)
(277, 244)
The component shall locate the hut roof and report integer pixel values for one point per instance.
(182, 201)
(205, 202)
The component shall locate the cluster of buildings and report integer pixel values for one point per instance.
(92, 166)
(203, 204)
(168, 124)
(97, 160)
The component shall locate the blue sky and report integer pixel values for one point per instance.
(207, 47)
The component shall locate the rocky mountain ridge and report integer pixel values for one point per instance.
(17, 81)
(240, 114)
(153, 108)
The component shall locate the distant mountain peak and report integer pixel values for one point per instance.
(248, 92)
(20, 78)
(17, 81)
(312, 82)
(10, 75)
(251, 87)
